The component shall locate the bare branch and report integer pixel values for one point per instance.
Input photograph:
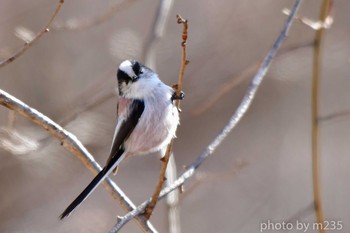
(235, 118)
(77, 25)
(27, 45)
(155, 196)
(317, 58)
(72, 144)
(184, 60)
(165, 159)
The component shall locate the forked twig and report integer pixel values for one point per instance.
(165, 159)
(324, 23)
(27, 45)
(72, 144)
(235, 118)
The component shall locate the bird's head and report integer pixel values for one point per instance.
(135, 80)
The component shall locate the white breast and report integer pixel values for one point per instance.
(157, 124)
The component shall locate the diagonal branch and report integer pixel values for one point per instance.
(72, 144)
(27, 45)
(235, 118)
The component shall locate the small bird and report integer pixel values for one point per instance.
(147, 119)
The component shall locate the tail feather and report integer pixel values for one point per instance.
(83, 195)
(92, 186)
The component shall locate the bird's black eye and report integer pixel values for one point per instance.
(136, 67)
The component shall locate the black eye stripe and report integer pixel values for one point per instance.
(123, 77)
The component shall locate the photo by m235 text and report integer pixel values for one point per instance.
(330, 225)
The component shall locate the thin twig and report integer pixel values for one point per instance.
(184, 60)
(77, 25)
(148, 55)
(161, 179)
(317, 59)
(165, 159)
(27, 45)
(72, 144)
(235, 118)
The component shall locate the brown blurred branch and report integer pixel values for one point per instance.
(235, 118)
(224, 89)
(11, 120)
(157, 32)
(27, 45)
(184, 60)
(72, 144)
(235, 81)
(76, 25)
(165, 159)
(317, 59)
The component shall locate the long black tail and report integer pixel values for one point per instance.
(93, 184)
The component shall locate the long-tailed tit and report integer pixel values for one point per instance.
(146, 122)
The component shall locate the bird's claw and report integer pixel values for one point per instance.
(175, 96)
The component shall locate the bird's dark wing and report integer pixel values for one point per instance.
(127, 126)
(117, 151)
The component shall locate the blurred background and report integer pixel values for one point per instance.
(262, 171)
